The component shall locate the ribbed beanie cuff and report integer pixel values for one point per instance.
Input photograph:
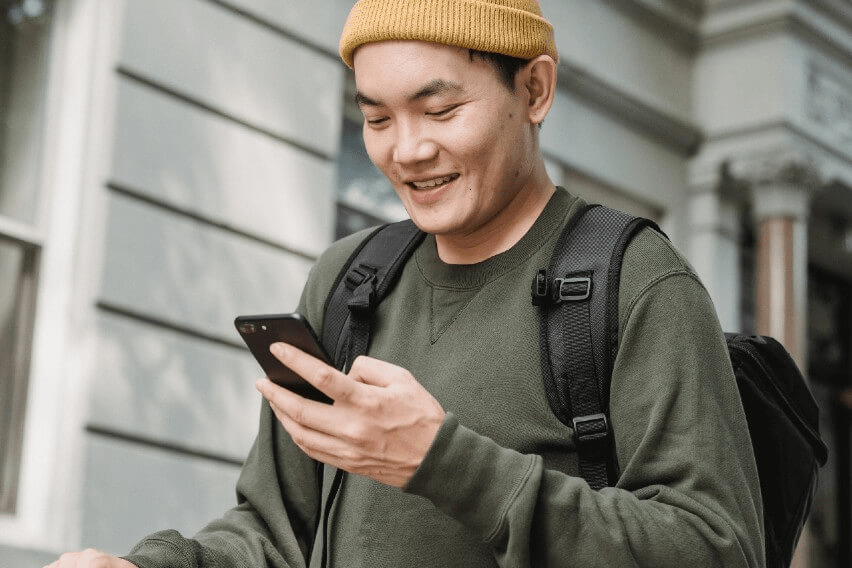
(510, 27)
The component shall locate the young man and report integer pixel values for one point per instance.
(453, 455)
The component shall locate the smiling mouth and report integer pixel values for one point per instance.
(433, 183)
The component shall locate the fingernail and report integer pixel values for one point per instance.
(278, 349)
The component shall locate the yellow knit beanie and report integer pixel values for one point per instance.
(509, 27)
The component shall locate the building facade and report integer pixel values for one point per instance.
(166, 165)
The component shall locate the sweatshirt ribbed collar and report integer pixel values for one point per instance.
(466, 276)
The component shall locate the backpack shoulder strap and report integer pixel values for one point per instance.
(364, 280)
(578, 298)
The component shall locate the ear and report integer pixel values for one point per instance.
(539, 82)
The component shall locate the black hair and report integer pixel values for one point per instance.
(506, 66)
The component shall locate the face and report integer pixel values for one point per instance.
(458, 146)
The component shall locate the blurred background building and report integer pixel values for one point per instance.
(168, 164)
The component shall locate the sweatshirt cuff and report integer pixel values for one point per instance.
(160, 550)
(472, 478)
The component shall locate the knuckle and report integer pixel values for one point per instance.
(358, 435)
(89, 558)
(70, 557)
(323, 377)
(95, 558)
(358, 363)
(373, 405)
(403, 375)
(352, 433)
(298, 439)
(356, 459)
(297, 412)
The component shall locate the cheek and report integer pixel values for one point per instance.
(473, 141)
(377, 149)
(491, 147)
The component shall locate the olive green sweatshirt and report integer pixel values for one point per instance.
(499, 485)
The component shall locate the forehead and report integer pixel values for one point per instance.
(406, 66)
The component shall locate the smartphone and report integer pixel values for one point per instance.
(261, 331)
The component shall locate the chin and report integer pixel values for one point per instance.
(442, 219)
(429, 224)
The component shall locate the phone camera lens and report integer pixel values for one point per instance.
(248, 328)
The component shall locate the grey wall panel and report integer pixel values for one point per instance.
(318, 22)
(197, 161)
(14, 557)
(184, 391)
(131, 491)
(623, 51)
(600, 146)
(237, 67)
(172, 268)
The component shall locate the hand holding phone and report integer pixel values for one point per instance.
(261, 331)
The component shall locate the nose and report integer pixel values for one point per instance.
(412, 146)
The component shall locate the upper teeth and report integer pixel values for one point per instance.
(432, 183)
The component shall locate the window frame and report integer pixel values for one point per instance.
(26, 290)
(359, 215)
(27, 237)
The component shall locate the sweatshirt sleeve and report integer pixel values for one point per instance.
(688, 493)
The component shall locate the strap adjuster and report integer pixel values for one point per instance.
(357, 275)
(590, 430)
(574, 289)
(363, 299)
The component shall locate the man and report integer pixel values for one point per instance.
(453, 455)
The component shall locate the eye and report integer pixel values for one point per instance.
(377, 121)
(444, 111)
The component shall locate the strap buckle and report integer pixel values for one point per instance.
(574, 289)
(362, 281)
(590, 431)
(357, 275)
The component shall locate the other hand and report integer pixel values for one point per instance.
(90, 559)
(381, 424)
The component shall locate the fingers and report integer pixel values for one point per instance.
(89, 558)
(324, 377)
(381, 424)
(317, 444)
(378, 373)
(308, 422)
(295, 411)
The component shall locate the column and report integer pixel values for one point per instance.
(715, 203)
(781, 213)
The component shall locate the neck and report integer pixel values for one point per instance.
(500, 233)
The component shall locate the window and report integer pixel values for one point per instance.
(23, 49)
(365, 197)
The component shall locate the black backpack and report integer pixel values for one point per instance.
(577, 295)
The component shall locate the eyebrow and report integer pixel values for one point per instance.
(435, 87)
(430, 89)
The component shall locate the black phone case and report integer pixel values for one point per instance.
(261, 331)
